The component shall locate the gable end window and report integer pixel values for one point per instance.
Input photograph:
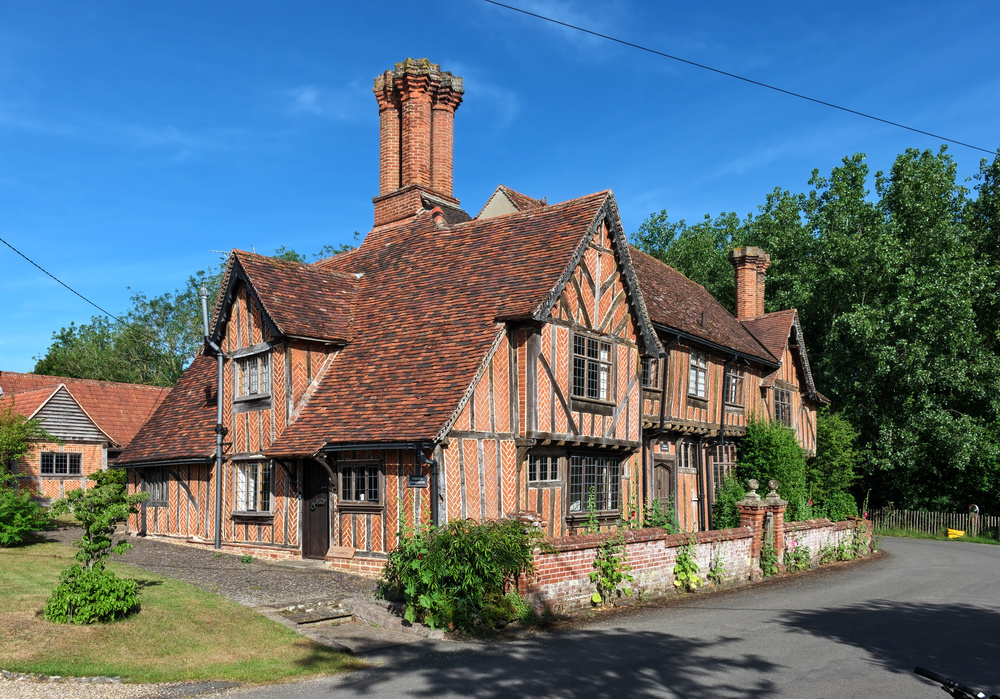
(361, 484)
(592, 368)
(253, 376)
(253, 487)
(783, 406)
(650, 372)
(60, 463)
(697, 374)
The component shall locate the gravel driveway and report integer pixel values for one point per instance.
(253, 584)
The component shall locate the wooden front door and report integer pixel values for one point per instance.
(315, 511)
(662, 485)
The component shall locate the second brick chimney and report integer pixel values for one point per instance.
(416, 104)
(751, 265)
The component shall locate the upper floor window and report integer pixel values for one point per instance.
(591, 368)
(594, 481)
(253, 487)
(697, 374)
(253, 375)
(543, 467)
(61, 463)
(734, 387)
(783, 406)
(650, 372)
(361, 484)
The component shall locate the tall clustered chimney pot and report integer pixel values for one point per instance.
(416, 104)
(751, 265)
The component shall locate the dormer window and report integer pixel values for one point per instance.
(253, 375)
(697, 374)
(650, 372)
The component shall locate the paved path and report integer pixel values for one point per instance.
(855, 631)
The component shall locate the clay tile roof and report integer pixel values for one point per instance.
(772, 330)
(674, 301)
(428, 310)
(522, 201)
(183, 427)
(119, 409)
(27, 402)
(301, 299)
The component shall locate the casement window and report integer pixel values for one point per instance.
(723, 464)
(157, 480)
(592, 368)
(650, 372)
(598, 474)
(543, 467)
(253, 375)
(734, 387)
(783, 406)
(361, 484)
(697, 374)
(687, 453)
(61, 463)
(253, 487)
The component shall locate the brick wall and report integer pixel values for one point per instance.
(51, 487)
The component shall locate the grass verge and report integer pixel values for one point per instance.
(182, 633)
(914, 534)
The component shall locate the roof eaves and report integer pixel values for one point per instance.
(714, 345)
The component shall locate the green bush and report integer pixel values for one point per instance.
(86, 596)
(662, 515)
(838, 506)
(771, 450)
(724, 512)
(455, 576)
(19, 514)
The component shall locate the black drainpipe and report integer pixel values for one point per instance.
(220, 431)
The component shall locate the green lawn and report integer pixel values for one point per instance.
(914, 534)
(181, 633)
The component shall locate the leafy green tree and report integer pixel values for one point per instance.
(771, 450)
(19, 514)
(88, 592)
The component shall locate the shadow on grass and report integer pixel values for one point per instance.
(959, 641)
(593, 663)
(143, 583)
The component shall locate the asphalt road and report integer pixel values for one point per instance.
(852, 631)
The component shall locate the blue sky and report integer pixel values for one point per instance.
(137, 138)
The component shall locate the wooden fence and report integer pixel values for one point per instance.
(936, 522)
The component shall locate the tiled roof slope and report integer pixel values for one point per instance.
(28, 402)
(522, 201)
(119, 409)
(184, 425)
(428, 308)
(676, 302)
(301, 300)
(772, 330)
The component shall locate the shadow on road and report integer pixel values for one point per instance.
(606, 663)
(959, 641)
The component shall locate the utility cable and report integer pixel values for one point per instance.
(737, 77)
(61, 282)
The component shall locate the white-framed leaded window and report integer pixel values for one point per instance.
(543, 467)
(157, 480)
(253, 375)
(650, 372)
(734, 387)
(783, 406)
(698, 374)
(592, 368)
(687, 453)
(254, 485)
(61, 463)
(361, 484)
(600, 475)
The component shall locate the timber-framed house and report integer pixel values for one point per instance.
(450, 367)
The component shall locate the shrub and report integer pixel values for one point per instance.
(611, 571)
(797, 557)
(724, 512)
(455, 576)
(662, 515)
(686, 568)
(19, 514)
(771, 450)
(86, 596)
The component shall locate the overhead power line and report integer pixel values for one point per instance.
(737, 77)
(58, 280)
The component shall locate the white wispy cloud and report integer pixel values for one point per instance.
(352, 102)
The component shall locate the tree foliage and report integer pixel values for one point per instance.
(771, 450)
(897, 292)
(153, 341)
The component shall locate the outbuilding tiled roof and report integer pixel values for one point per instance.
(27, 403)
(301, 300)
(119, 409)
(184, 425)
(675, 302)
(429, 306)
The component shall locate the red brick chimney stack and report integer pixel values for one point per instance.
(751, 265)
(417, 103)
